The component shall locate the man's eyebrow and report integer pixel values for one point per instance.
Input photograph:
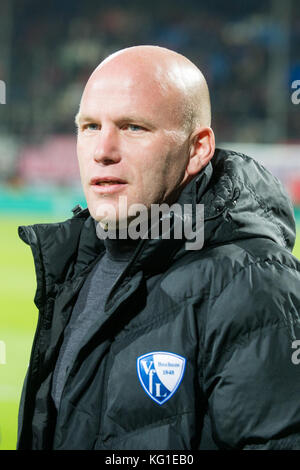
(137, 119)
(130, 118)
(82, 117)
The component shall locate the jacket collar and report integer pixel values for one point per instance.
(241, 200)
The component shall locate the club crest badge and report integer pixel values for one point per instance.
(160, 374)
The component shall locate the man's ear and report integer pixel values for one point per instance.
(202, 149)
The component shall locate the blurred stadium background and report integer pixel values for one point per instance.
(249, 52)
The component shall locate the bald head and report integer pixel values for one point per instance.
(144, 118)
(163, 72)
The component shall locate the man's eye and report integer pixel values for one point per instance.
(134, 127)
(91, 127)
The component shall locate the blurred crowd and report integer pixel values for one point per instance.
(55, 45)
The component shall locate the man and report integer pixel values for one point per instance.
(141, 342)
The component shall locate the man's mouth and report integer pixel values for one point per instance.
(106, 181)
(107, 185)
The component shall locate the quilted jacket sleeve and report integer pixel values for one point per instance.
(251, 363)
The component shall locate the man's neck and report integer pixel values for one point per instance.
(119, 245)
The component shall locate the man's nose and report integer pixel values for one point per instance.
(107, 147)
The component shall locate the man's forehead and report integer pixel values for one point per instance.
(134, 82)
(154, 77)
(130, 93)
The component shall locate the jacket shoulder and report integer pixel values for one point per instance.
(208, 272)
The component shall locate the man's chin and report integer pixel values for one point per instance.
(110, 220)
(111, 213)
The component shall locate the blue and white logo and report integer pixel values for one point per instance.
(160, 374)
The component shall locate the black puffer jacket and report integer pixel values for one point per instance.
(195, 348)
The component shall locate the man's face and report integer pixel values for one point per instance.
(130, 130)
